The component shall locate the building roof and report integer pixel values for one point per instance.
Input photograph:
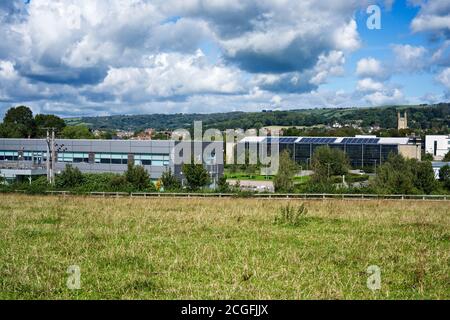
(329, 140)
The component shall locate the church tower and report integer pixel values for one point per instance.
(402, 121)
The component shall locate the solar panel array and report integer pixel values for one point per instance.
(318, 140)
(280, 140)
(322, 140)
(360, 140)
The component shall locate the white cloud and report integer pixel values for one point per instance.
(7, 70)
(368, 84)
(386, 97)
(444, 78)
(410, 58)
(433, 17)
(328, 65)
(370, 68)
(168, 75)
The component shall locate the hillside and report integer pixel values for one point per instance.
(420, 117)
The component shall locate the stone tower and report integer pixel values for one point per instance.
(402, 121)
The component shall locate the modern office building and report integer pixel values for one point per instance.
(362, 150)
(28, 157)
(438, 146)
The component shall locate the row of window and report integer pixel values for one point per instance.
(115, 158)
(76, 157)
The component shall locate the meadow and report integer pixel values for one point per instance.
(222, 248)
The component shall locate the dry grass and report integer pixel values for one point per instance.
(221, 249)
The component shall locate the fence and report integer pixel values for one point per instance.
(274, 196)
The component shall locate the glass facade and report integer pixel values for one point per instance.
(368, 153)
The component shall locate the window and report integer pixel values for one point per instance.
(158, 160)
(70, 157)
(9, 156)
(111, 158)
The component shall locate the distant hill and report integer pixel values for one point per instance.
(419, 117)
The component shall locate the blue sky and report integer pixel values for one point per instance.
(96, 57)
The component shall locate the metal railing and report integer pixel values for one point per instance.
(272, 196)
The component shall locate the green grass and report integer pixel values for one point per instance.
(221, 249)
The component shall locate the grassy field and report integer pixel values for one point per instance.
(221, 249)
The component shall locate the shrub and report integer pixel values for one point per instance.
(196, 176)
(70, 177)
(170, 182)
(284, 180)
(223, 186)
(39, 185)
(444, 176)
(292, 216)
(119, 184)
(138, 177)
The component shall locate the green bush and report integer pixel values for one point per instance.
(170, 182)
(37, 186)
(69, 178)
(223, 186)
(139, 178)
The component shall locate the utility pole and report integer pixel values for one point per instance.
(53, 158)
(48, 157)
(51, 155)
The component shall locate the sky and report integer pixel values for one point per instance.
(103, 57)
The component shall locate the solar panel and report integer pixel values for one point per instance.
(288, 140)
(319, 140)
(360, 140)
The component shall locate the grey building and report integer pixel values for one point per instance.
(27, 157)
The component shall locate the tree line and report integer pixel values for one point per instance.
(19, 122)
(395, 176)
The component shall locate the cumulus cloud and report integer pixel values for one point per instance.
(410, 58)
(386, 97)
(116, 56)
(368, 85)
(371, 68)
(434, 17)
(170, 75)
(444, 78)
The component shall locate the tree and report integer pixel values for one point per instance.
(393, 177)
(77, 132)
(48, 121)
(19, 123)
(327, 162)
(405, 176)
(70, 177)
(284, 179)
(138, 177)
(427, 157)
(170, 181)
(444, 176)
(447, 157)
(223, 186)
(196, 176)
(424, 177)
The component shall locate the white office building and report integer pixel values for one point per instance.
(438, 146)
